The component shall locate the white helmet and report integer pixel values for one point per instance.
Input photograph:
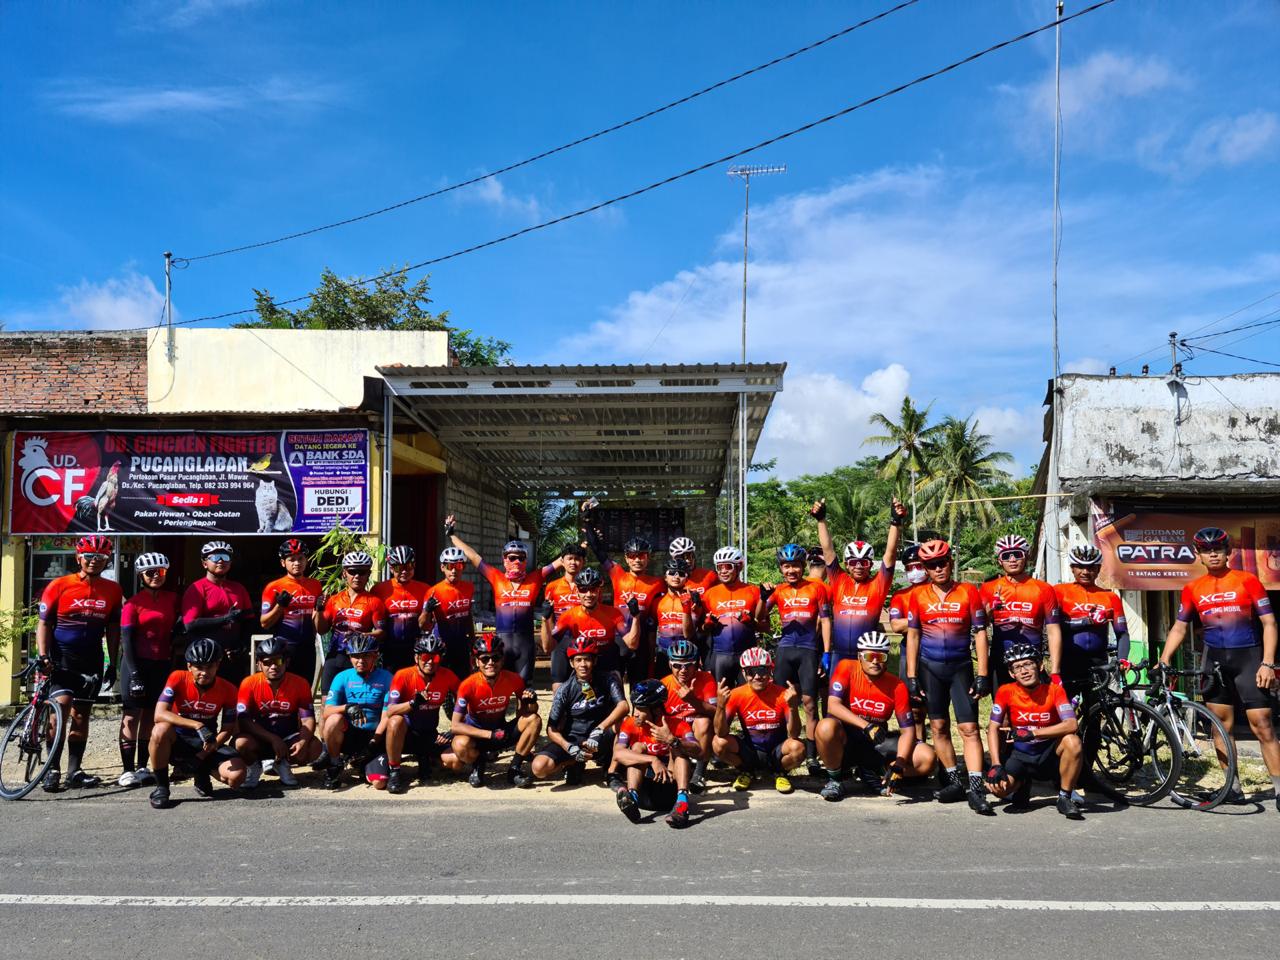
(874, 641)
(399, 555)
(356, 559)
(151, 561)
(452, 555)
(1084, 555)
(727, 555)
(1013, 542)
(216, 546)
(858, 550)
(681, 546)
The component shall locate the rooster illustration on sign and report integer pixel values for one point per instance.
(273, 512)
(99, 505)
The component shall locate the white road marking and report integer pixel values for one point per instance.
(629, 900)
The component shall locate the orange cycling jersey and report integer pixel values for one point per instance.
(278, 707)
(701, 580)
(898, 604)
(855, 607)
(80, 608)
(763, 715)
(484, 704)
(296, 626)
(1228, 607)
(946, 623)
(192, 702)
(703, 687)
(410, 682)
(1084, 613)
(640, 586)
(670, 610)
(562, 594)
(735, 608)
(1019, 609)
(638, 736)
(799, 610)
(514, 600)
(601, 624)
(875, 698)
(404, 603)
(352, 613)
(1044, 705)
(453, 615)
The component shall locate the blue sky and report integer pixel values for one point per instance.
(907, 249)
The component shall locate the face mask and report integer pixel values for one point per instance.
(917, 576)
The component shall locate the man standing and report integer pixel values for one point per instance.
(289, 609)
(1020, 608)
(218, 608)
(405, 601)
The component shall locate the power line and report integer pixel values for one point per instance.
(1203, 326)
(1236, 356)
(1260, 321)
(565, 146)
(718, 161)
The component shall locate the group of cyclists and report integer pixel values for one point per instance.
(675, 673)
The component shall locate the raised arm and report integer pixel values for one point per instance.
(451, 531)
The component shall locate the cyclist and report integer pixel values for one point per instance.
(76, 613)
(691, 698)
(276, 716)
(602, 625)
(186, 725)
(405, 600)
(946, 625)
(1239, 632)
(916, 575)
(352, 611)
(857, 595)
(657, 751)
(448, 607)
(855, 732)
(735, 611)
(585, 713)
(561, 596)
(148, 623)
(1020, 608)
(674, 611)
(631, 583)
(804, 611)
(1085, 610)
(700, 578)
(816, 565)
(1043, 726)
(515, 595)
(494, 710)
(413, 713)
(354, 725)
(219, 608)
(289, 608)
(769, 719)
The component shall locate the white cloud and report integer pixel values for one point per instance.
(125, 104)
(1015, 430)
(1231, 141)
(1091, 365)
(129, 300)
(492, 193)
(181, 14)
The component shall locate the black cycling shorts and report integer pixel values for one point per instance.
(152, 673)
(334, 664)
(397, 656)
(1025, 765)
(507, 742)
(948, 684)
(457, 656)
(1238, 667)
(560, 667)
(79, 676)
(425, 744)
(656, 796)
(302, 658)
(234, 666)
(861, 753)
(518, 654)
(558, 754)
(358, 740)
(798, 665)
(187, 746)
(756, 758)
(724, 666)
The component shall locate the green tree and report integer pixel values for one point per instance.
(556, 523)
(908, 439)
(387, 303)
(962, 466)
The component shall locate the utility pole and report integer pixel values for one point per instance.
(745, 173)
(168, 304)
(1052, 554)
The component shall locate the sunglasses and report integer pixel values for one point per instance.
(454, 565)
(1012, 555)
(859, 563)
(96, 556)
(874, 656)
(758, 672)
(271, 661)
(487, 658)
(936, 564)
(358, 571)
(518, 557)
(155, 572)
(637, 556)
(428, 658)
(219, 558)
(684, 665)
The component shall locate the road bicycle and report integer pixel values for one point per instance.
(33, 740)
(1208, 752)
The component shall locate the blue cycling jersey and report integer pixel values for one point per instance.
(369, 692)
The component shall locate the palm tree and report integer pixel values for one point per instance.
(556, 523)
(961, 464)
(909, 439)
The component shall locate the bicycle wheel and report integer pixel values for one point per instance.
(26, 754)
(1133, 752)
(1204, 781)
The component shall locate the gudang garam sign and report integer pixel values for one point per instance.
(1149, 548)
(229, 483)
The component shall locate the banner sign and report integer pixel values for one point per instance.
(1146, 547)
(154, 482)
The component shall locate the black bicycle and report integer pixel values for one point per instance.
(1208, 752)
(33, 740)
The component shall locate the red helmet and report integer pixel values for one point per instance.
(934, 550)
(487, 644)
(581, 646)
(292, 547)
(94, 544)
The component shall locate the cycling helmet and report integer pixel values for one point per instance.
(291, 547)
(203, 651)
(637, 545)
(1084, 555)
(755, 657)
(816, 557)
(678, 566)
(402, 554)
(1021, 651)
(1209, 538)
(216, 546)
(859, 550)
(452, 555)
(487, 644)
(581, 647)
(588, 578)
(934, 550)
(358, 643)
(428, 644)
(151, 561)
(272, 647)
(681, 546)
(791, 553)
(93, 544)
(874, 640)
(1013, 542)
(356, 560)
(682, 651)
(911, 553)
(574, 550)
(727, 555)
(515, 546)
(648, 693)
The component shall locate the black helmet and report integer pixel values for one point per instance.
(358, 643)
(637, 545)
(291, 547)
(428, 643)
(487, 645)
(1022, 651)
(648, 693)
(677, 565)
(1209, 538)
(910, 553)
(203, 651)
(272, 647)
(588, 578)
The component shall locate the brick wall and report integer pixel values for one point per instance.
(482, 509)
(73, 373)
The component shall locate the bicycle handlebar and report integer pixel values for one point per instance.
(29, 669)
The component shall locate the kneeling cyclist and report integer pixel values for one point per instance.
(657, 753)
(770, 723)
(1043, 726)
(691, 697)
(276, 716)
(186, 724)
(855, 733)
(413, 713)
(354, 726)
(494, 711)
(585, 713)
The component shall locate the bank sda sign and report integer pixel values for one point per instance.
(156, 482)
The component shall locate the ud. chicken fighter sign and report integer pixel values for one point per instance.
(294, 481)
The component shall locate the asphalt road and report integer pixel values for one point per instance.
(444, 841)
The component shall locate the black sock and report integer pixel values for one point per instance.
(975, 781)
(144, 754)
(810, 749)
(162, 777)
(1064, 793)
(75, 754)
(518, 759)
(128, 750)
